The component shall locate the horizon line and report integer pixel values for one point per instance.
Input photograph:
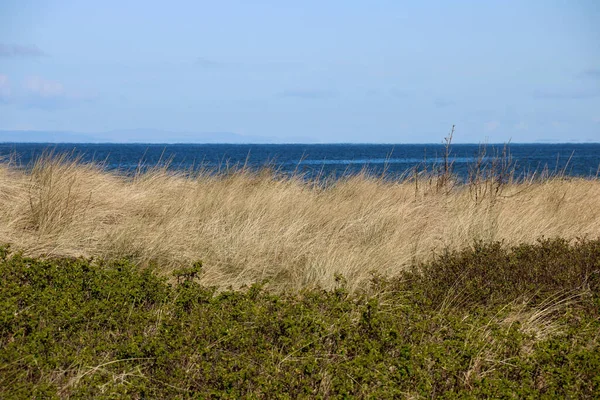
(307, 143)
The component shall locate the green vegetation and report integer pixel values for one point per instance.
(483, 322)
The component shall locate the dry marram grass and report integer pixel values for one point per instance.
(248, 226)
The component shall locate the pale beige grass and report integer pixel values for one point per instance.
(537, 324)
(247, 227)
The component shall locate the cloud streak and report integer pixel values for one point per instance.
(20, 51)
(218, 65)
(442, 103)
(308, 94)
(593, 73)
(37, 86)
(38, 92)
(578, 94)
(400, 93)
(208, 63)
(48, 94)
(521, 126)
(491, 126)
(5, 92)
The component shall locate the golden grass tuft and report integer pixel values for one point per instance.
(538, 323)
(249, 226)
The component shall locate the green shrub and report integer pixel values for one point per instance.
(82, 329)
(489, 274)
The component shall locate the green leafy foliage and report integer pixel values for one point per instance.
(488, 274)
(466, 325)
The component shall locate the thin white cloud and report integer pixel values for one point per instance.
(44, 93)
(521, 126)
(400, 93)
(491, 126)
(5, 91)
(590, 73)
(208, 63)
(44, 88)
(16, 50)
(442, 103)
(233, 65)
(308, 94)
(576, 94)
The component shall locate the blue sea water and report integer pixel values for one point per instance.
(314, 160)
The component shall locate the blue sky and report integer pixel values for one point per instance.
(323, 71)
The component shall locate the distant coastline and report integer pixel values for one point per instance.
(156, 136)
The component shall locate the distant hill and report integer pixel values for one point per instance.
(136, 136)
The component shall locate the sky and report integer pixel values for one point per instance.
(377, 71)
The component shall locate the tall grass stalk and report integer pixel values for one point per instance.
(248, 226)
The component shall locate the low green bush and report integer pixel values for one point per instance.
(484, 322)
(489, 274)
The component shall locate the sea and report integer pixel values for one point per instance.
(390, 161)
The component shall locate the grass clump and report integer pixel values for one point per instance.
(524, 323)
(249, 226)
